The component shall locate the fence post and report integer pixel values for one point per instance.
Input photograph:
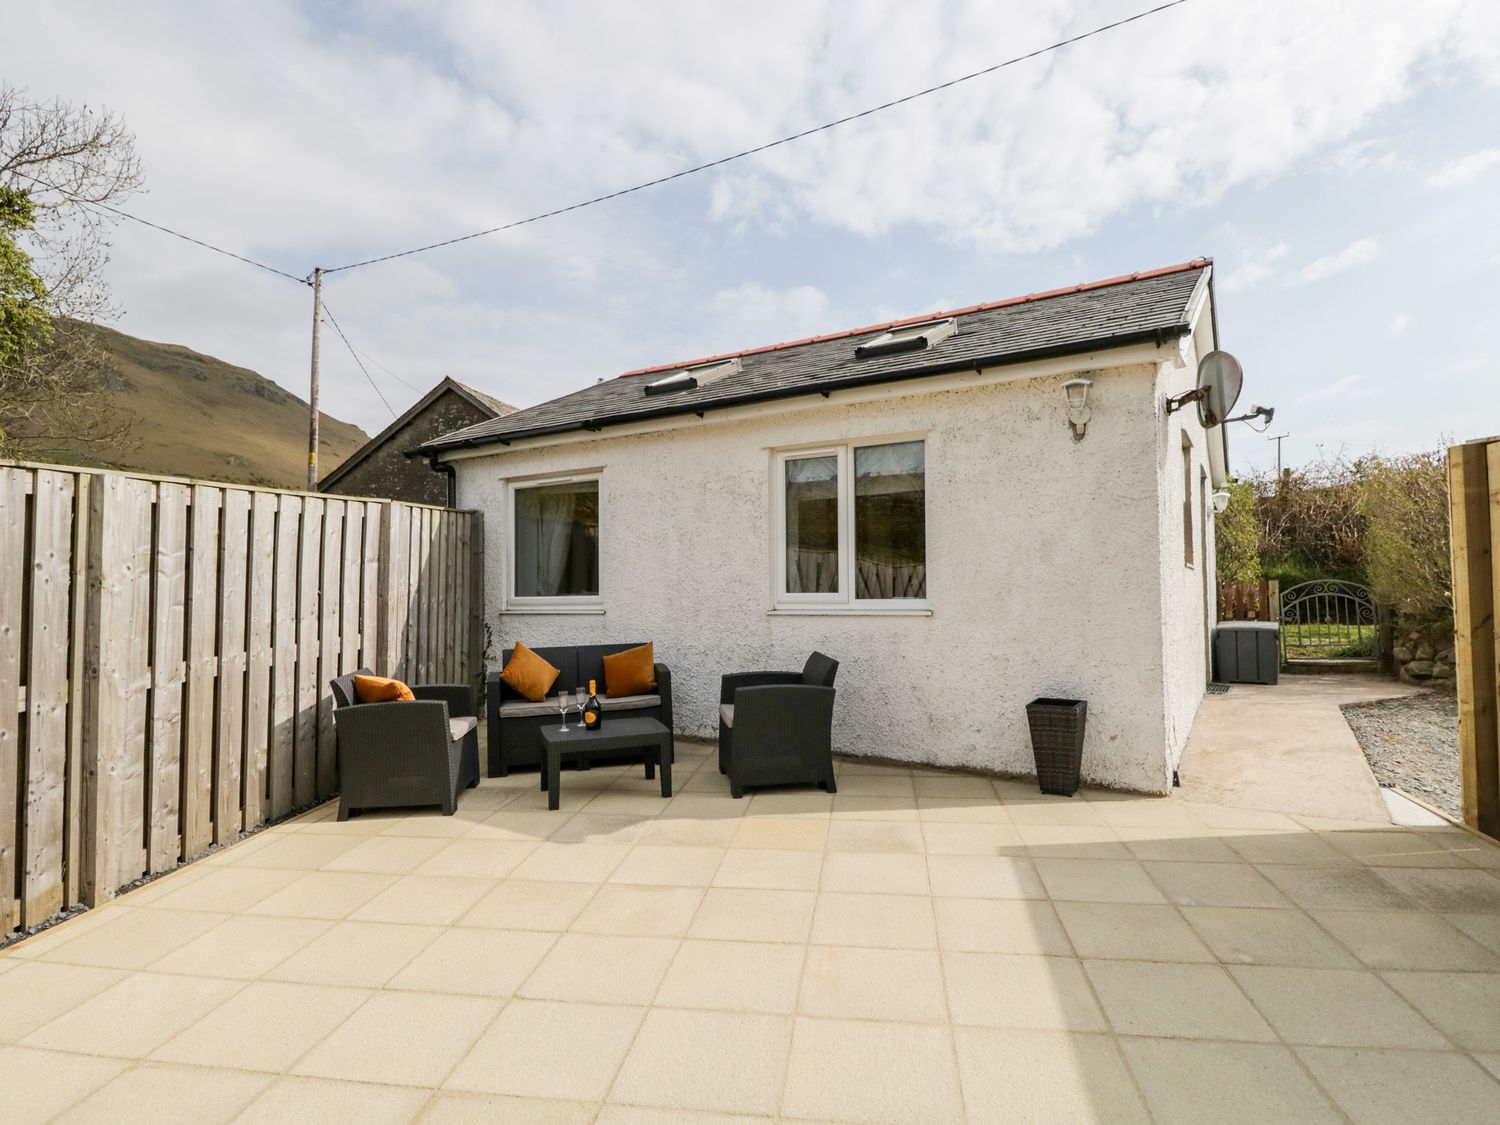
(387, 637)
(1469, 493)
(14, 484)
(475, 607)
(82, 638)
(100, 717)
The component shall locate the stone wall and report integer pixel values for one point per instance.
(1422, 658)
(388, 473)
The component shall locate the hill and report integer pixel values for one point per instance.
(196, 416)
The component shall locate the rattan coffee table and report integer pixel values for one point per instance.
(617, 733)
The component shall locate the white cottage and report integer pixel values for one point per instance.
(928, 501)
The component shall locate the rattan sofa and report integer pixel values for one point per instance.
(513, 734)
(776, 728)
(412, 753)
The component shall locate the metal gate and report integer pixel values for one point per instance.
(1328, 620)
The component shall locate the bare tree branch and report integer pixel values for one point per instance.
(62, 158)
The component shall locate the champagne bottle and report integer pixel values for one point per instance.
(593, 714)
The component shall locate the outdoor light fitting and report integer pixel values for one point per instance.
(1077, 390)
(1221, 500)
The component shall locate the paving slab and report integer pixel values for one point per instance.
(919, 952)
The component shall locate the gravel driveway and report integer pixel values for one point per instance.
(1412, 744)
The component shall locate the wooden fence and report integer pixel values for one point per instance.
(1474, 508)
(165, 651)
(1250, 601)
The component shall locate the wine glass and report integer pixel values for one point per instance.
(562, 708)
(583, 702)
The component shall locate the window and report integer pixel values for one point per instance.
(908, 338)
(1187, 500)
(555, 540)
(852, 526)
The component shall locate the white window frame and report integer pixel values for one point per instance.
(844, 600)
(586, 603)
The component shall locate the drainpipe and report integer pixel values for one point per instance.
(443, 467)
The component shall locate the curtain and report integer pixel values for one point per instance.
(556, 545)
(556, 517)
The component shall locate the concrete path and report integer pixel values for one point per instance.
(1287, 748)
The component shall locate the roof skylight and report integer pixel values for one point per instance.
(908, 338)
(699, 375)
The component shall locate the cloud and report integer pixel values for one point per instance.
(1372, 154)
(299, 137)
(1346, 387)
(1252, 267)
(1466, 169)
(1400, 323)
(1358, 253)
(758, 315)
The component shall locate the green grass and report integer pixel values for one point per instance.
(1327, 642)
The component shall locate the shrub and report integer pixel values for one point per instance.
(1237, 536)
(1404, 502)
(1311, 525)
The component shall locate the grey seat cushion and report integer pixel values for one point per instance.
(629, 702)
(726, 712)
(522, 708)
(457, 728)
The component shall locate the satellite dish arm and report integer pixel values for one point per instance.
(1265, 412)
(1186, 398)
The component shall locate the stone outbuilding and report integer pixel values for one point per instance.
(384, 465)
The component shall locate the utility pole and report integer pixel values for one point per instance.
(312, 395)
(1278, 439)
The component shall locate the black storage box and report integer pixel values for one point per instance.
(1247, 652)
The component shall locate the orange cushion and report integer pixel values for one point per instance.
(530, 675)
(378, 689)
(632, 672)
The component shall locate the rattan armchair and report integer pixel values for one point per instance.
(776, 728)
(412, 753)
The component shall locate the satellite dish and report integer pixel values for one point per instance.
(1219, 382)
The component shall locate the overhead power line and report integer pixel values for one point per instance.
(97, 206)
(199, 241)
(764, 147)
(387, 370)
(327, 312)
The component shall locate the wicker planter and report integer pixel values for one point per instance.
(1057, 742)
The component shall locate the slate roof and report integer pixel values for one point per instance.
(1150, 306)
(483, 402)
(494, 404)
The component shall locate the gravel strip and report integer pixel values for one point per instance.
(1412, 744)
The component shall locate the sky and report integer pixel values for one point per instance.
(1339, 159)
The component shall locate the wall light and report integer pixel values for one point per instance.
(1079, 413)
(1221, 500)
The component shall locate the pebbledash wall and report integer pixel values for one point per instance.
(1054, 567)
